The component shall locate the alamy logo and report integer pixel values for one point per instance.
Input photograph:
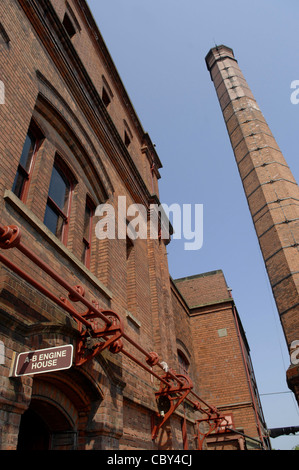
(294, 350)
(2, 93)
(132, 222)
(295, 94)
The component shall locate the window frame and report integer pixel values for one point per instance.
(69, 25)
(86, 255)
(106, 97)
(66, 174)
(127, 139)
(26, 175)
(184, 363)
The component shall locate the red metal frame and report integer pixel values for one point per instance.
(95, 337)
(213, 421)
(110, 335)
(176, 389)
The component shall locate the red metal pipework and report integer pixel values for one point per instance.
(110, 335)
(173, 393)
(10, 237)
(20, 272)
(175, 387)
(214, 422)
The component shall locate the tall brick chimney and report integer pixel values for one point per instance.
(271, 190)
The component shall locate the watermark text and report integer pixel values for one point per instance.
(295, 93)
(136, 222)
(294, 350)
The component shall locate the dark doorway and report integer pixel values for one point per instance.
(33, 434)
(44, 427)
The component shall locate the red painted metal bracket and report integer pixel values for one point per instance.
(214, 421)
(173, 390)
(96, 338)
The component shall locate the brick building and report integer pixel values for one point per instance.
(158, 363)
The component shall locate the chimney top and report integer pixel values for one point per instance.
(218, 53)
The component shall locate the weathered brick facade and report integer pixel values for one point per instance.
(64, 97)
(270, 188)
(220, 351)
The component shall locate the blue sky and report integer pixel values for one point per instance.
(159, 49)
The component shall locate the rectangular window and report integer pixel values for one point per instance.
(70, 28)
(87, 233)
(59, 202)
(4, 34)
(127, 140)
(32, 143)
(106, 98)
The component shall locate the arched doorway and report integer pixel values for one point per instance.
(59, 409)
(44, 427)
(33, 434)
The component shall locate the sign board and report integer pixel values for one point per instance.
(42, 361)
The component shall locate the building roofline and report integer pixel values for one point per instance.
(195, 276)
(91, 23)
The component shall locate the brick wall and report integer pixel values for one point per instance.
(220, 350)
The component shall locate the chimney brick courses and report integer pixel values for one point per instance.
(270, 188)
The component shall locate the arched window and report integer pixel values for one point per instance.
(183, 363)
(32, 143)
(59, 201)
